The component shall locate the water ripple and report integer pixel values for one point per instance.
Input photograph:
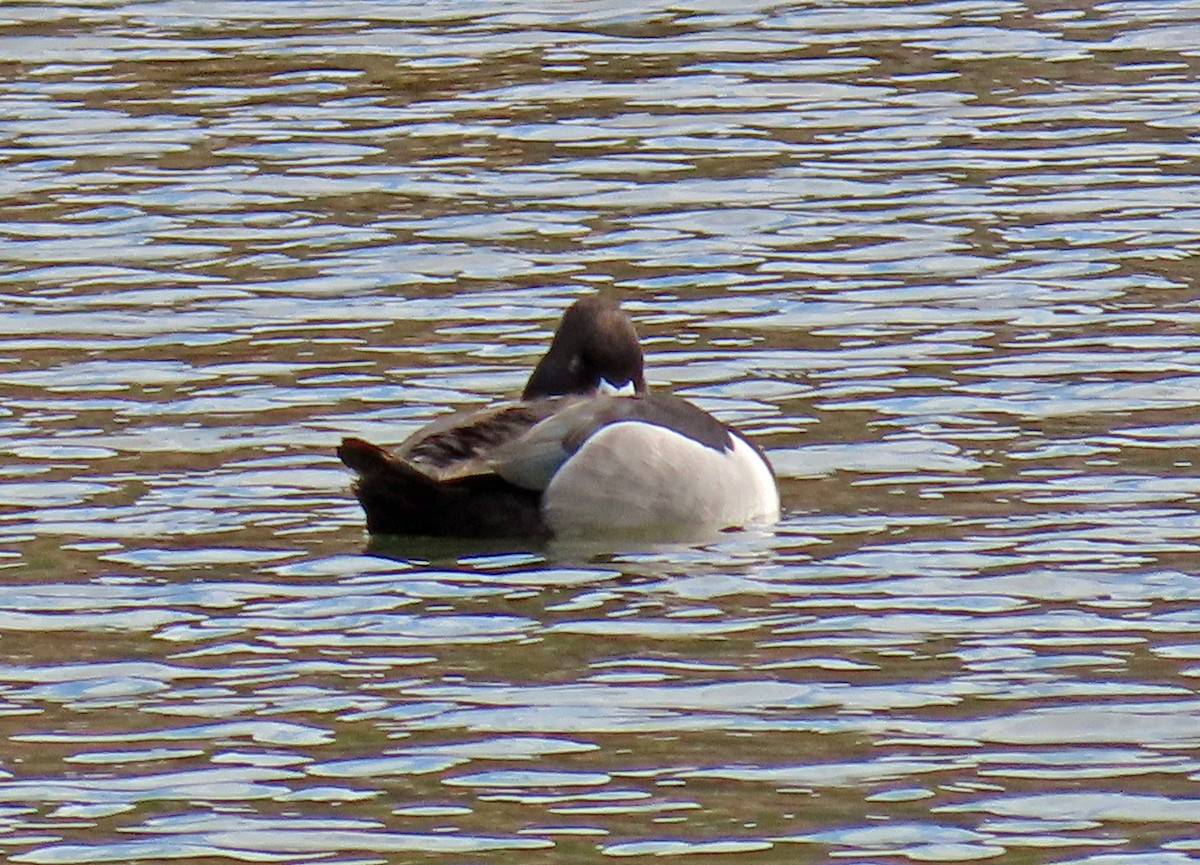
(935, 258)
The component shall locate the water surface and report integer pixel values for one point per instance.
(936, 257)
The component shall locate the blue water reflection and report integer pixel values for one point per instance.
(936, 258)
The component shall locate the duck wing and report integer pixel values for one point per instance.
(530, 460)
(460, 445)
(439, 481)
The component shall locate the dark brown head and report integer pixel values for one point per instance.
(594, 342)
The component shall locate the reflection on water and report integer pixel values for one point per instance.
(936, 257)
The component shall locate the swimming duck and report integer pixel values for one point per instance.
(587, 450)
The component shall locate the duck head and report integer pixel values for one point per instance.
(594, 342)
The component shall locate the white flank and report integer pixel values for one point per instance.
(644, 479)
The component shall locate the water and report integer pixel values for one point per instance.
(938, 258)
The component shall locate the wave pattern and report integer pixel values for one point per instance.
(938, 258)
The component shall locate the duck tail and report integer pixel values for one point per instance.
(402, 500)
(394, 495)
(373, 463)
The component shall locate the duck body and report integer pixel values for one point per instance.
(642, 474)
(587, 451)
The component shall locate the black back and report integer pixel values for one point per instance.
(668, 412)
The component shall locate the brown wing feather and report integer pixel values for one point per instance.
(459, 445)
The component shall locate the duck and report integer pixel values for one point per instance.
(588, 450)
